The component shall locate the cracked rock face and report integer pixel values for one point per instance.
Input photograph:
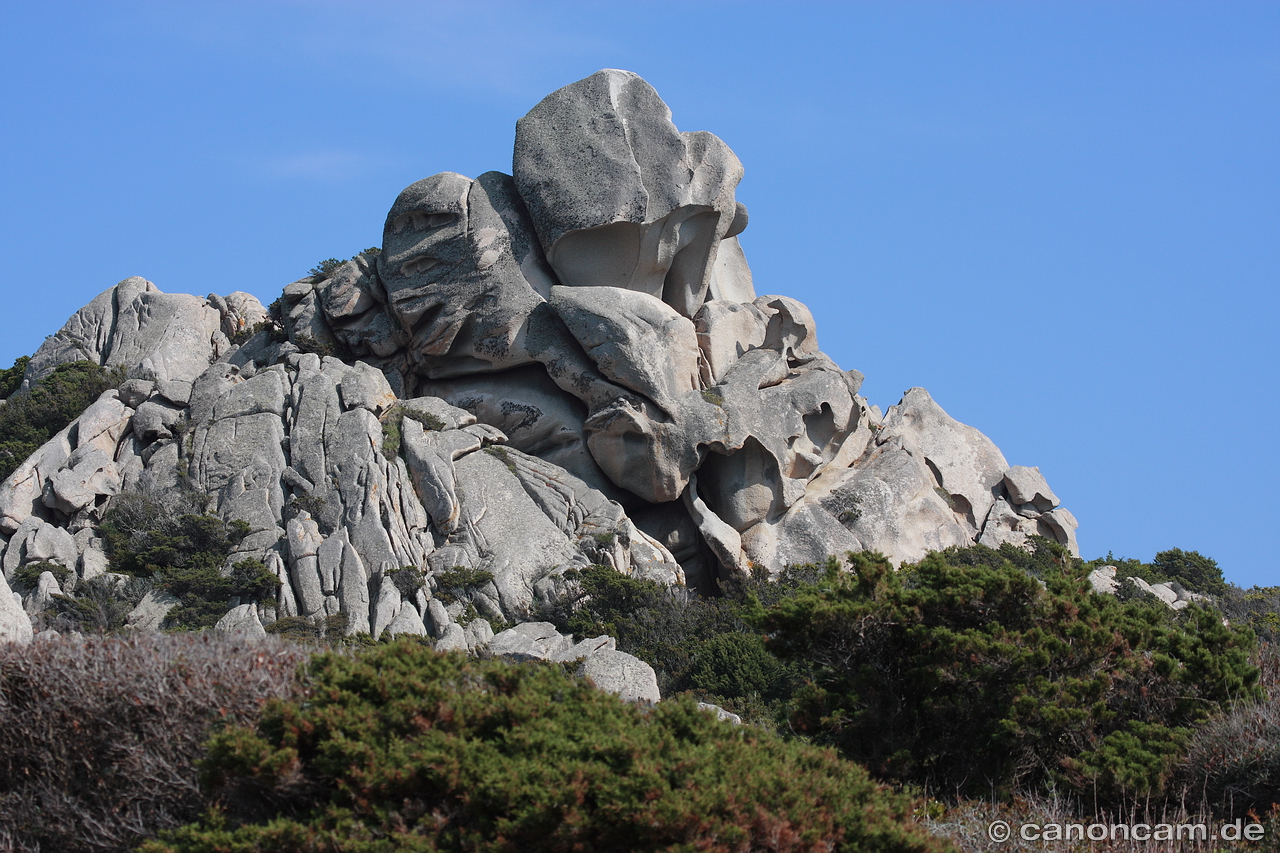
(537, 372)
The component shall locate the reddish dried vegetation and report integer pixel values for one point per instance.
(99, 736)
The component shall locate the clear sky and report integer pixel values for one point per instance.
(1063, 219)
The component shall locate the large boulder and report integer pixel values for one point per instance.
(620, 197)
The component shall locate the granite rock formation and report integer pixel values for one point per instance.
(561, 367)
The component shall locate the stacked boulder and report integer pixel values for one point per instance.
(537, 372)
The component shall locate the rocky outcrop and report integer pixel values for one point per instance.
(598, 658)
(1172, 594)
(539, 371)
(167, 337)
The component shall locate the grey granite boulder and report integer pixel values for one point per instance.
(599, 660)
(1103, 580)
(529, 641)
(618, 672)
(1027, 486)
(150, 613)
(721, 714)
(964, 463)
(15, 625)
(620, 197)
(41, 597)
(242, 619)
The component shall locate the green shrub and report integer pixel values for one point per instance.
(1192, 569)
(11, 379)
(427, 419)
(1233, 761)
(310, 503)
(184, 555)
(459, 581)
(29, 420)
(99, 736)
(408, 580)
(976, 677)
(99, 605)
(736, 665)
(689, 640)
(393, 425)
(404, 749)
(391, 433)
(327, 631)
(326, 268)
(1258, 607)
(1043, 557)
(26, 577)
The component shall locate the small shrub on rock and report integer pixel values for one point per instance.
(26, 577)
(404, 749)
(11, 378)
(184, 555)
(29, 420)
(1191, 569)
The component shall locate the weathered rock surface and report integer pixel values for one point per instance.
(619, 197)
(600, 661)
(168, 337)
(242, 619)
(623, 674)
(15, 625)
(538, 372)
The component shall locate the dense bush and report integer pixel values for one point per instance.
(11, 379)
(1191, 569)
(29, 420)
(330, 631)
(25, 578)
(404, 749)
(99, 737)
(1257, 607)
(185, 555)
(99, 605)
(705, 646)
(974, 677)
(1233, 761)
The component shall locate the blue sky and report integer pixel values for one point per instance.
(1063, 219)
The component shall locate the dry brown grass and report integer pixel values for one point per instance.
(966, 826)
(99, 735)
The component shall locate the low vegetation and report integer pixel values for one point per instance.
(99, 736)
(328, 266)
(976, 683)
(183, 550)
(30, 419)
(973, 678)
(404, 749)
